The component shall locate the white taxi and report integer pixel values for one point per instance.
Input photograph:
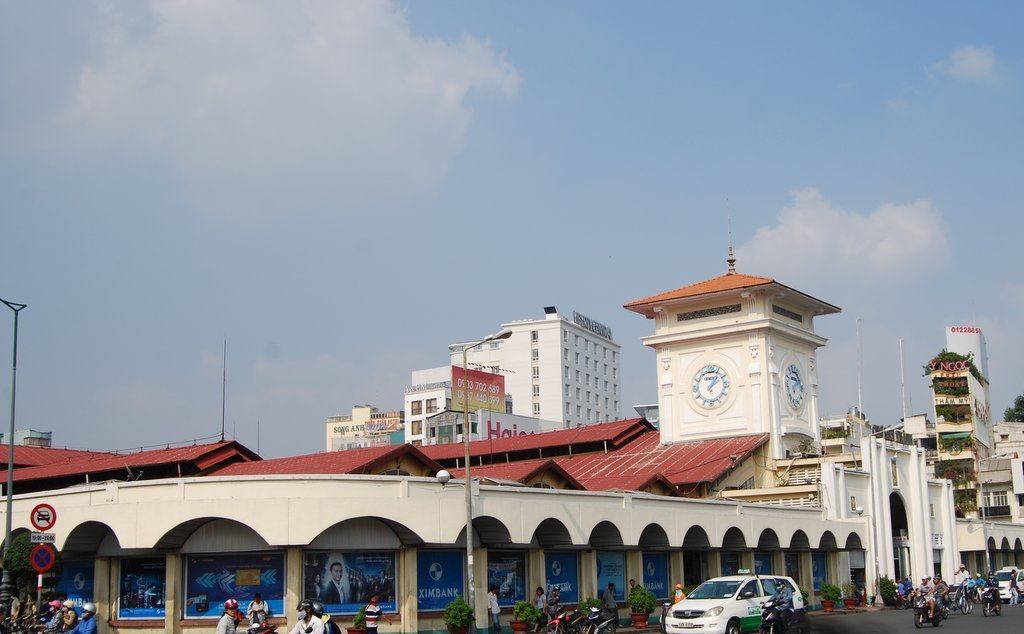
(728, 605)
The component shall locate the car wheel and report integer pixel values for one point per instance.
(733, 627)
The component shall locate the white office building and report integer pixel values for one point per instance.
(429, 392)
(559, 367)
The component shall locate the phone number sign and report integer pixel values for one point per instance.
(483, 389)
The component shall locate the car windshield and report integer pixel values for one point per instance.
(715, 590)
(1003, 576)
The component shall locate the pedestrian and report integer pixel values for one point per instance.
(1014, 592)
(494, 608)
(554, 602)
(608, 599)
(632, 585)
(374, 614)
(678, 595)
(255, 608)
(540, 602)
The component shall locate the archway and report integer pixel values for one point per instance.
(764, 558)
(900, 535)
(489, 532)
(653, 537)
(552, 533)
(605, 535)
(695, 555)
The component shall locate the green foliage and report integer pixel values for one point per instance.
(525, 611)
(966, 501)
(830, 592)
(458, 613)
(956, 445)
(959, 471)
(359, 620)
(828, 433)
(1015, 414)
(887, 588)
(16, 560)
(850, 590)
(954, 413)
(641, 600)
(589, 603)
(805, 593)
(947, 356)
(950, 386)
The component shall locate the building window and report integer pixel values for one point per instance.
(615, 389)
(595, 365)
(565, 335)
(894, 472)
(588, 380)
(588, 396)
(431, 405)
(577, 394)
(997, 498)
(565, 371)
(533, 336)
(417, 427)
(586, 362)
(578, 410)
(536, 390)
(615, 373)
(448, 404)
(495, 345)
(535, 354)
(606, 369)
(536, 409)
(568, 408)
(590, 416)
(416, 408)
(565, 354)
(614, 356)
(567, 390)
(577, 358)
(931, 511)
(576, 340)
(606, 386)
(536, 372)
(577, 376)
(606, 402)
(853, 503)
(616, 406)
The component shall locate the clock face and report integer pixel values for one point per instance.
(794, 386)
(710, 386)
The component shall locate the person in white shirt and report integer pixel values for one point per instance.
(961, 576)
(494, 608)
(308, 622)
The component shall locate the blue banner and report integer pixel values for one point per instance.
(763, 563)
(76, 582)
(656, 574)
(730, 563)
(438, 578)
(507, 571)
(345, 581)
(142, 584)
(819, 569)
(611, 568)
(212, 579)
(562, 570)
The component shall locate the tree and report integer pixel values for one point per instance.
(16, 560)
(1015, 414)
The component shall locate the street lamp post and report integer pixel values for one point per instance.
(5, 585)
(504, 334)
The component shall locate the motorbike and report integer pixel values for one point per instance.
(559, 624)
(260, 625)
(902, 601)
(776, 615)
(961, 601)
(601, 622)
(921, 613)
(991, 604)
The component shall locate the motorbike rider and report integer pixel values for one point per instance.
(53, 619)
(330, 627)
(962, 576)
(228, 623)
(941, 591)
(905, 587)
(308, 622)
(927, 592)
(554, 602)
(87, 624)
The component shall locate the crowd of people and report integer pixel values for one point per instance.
(56, 617)
(937, 592)
(313, 619)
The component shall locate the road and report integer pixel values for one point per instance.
(891, 621)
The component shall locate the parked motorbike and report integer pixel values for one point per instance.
(601, 622)
(991, 604)
(921, 613)
(776, 615)
(559, 624)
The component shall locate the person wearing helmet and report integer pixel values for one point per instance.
(678, 595)
(53, 619)
(87, 624)
(308, 623)
(228, 623)
(330, 627)
(69, 616)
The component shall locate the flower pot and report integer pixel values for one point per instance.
(355, 630)
(639, 619)
(850, 603)
(827, 605)
(458, 629)
(520, 626)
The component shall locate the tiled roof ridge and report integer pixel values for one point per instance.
(744, 279)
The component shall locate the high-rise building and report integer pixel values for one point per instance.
(429, 392)
(559, 367)
(366, 426)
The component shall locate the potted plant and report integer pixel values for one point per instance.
(358, 622)
(851, 597)
(829, 595)
(887, 588)
(641, 604)
(457, 616)
(524, 615)
(589, 603)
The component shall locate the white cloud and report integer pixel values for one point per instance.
(970, 63)
(815, 241)
(310, 93)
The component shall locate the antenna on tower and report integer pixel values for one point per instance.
(860, 370)
(731, 260)
(903, 382)
(223, 387)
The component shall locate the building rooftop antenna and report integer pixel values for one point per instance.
(731, 260)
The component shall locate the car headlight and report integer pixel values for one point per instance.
(715, 611)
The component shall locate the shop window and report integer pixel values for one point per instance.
(819, 569)
(142, 586)
(507, 571)
(250, 573)
(730, 563)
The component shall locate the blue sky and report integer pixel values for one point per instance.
(345, 188)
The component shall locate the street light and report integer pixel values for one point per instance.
(5, 585)
(504, 334)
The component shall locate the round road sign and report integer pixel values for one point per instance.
(43, 517)
(42, 557)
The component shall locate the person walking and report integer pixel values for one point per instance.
(608, 600)
(494, 608)
(1014, 591)
(374, 613)
(540, 602)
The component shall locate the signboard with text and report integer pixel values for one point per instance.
(212, 579)
(483, 389)
(345, 581)
(507, 571)
(75, 582)
(611, 568)
(562, 569)
(438, 578)
(655, 576)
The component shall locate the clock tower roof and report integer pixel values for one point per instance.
(722, 284)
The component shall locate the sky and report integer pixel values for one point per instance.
(342, 189)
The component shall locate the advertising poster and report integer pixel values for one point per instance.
(730, 563)
(212, 579)
(345, 581)
(484, 390)
(438, 578)
(562, 570)
(656, 574)
(76, 582)
(819, 569)
(142, 585)
(507, 571)
(611, 568)
(763, 563)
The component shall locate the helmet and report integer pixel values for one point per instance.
(318, 608)
(54, 604)
(679, 586)
(231, 604)
(304, 605)
(69, 604)
(89, 607)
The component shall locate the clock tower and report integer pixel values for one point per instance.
(736, 355)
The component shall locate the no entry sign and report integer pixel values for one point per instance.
(42, 557)
(43, 517)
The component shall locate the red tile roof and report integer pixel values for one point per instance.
(722, 283)
(207, 454)
(362, 460)
(26, 456)
(615, 433)
(684, 463)
(519, 471)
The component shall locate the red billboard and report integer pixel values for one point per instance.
(484, 390)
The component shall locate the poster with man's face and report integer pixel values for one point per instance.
(345, 581)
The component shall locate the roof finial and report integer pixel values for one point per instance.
(731, 260)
